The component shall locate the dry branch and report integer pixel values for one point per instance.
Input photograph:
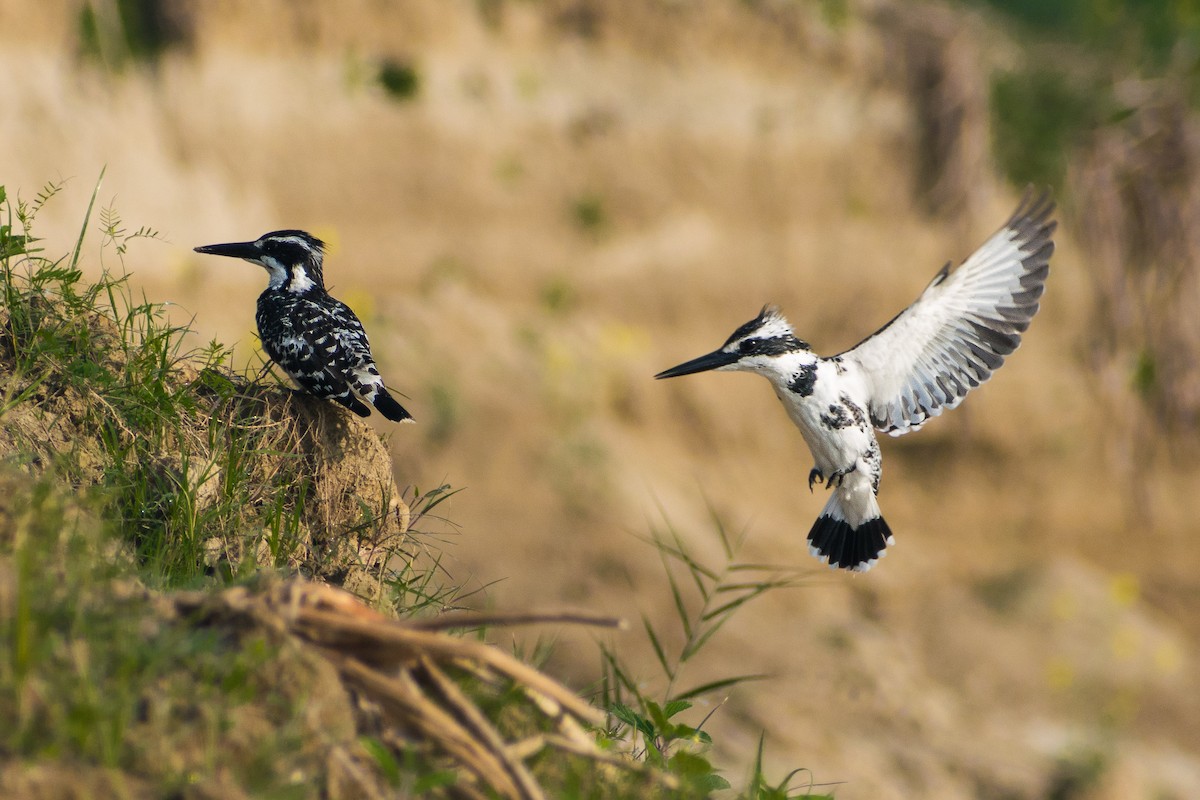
(401, 669)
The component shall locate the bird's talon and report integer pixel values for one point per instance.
(839, 477)
(814, 476)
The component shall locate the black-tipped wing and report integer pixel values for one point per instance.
(962, 326)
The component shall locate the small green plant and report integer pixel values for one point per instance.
(417, 582)
(399, 79)
(1145, 374)
(759, 789)
(94, 353)
(589, 212)
(705, 598)
(1076, 774)
(558, 295)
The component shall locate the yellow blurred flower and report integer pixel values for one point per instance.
(1123, 589)
(1168, 658)
(1065, 606)
(1059, 673)
(621, 341)
(558, 359)
(1125, 642)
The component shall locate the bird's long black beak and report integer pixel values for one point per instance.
(715, 359)
(247, 250)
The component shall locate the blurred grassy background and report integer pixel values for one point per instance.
(535, 206)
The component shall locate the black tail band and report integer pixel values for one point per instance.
(834, 541)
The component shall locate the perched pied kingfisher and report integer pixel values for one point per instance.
(922, 362)
(315, 338)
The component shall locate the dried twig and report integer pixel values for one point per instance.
(496, 619)
(400, 667)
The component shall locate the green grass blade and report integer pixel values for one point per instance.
(680, 605)
(87, 216)
(657, 646)
(719, 526)
(717, 685)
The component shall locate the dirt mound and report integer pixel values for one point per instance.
(348, 512)
(237, 454)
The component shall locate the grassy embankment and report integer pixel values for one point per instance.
(155, 512)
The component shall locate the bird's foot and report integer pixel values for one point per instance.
(839, 476)
(814, 477)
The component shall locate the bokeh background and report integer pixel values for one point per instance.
(535, 205)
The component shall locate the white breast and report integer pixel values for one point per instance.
(834, 447)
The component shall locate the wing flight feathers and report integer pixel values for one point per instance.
(963, 325)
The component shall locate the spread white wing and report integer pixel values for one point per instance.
(962, 326)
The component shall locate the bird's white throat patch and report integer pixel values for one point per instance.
(277, 274)
(300, 281)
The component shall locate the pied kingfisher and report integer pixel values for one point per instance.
(315, 338)
(922, 362)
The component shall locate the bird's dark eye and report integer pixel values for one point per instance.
(772, 346)
(750, 347)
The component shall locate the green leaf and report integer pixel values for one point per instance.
(719, 525)
(632, 718)
(86, 217)
(714, 783)
(654, 710)
(680, 606)
(657, 645)
(713, 686)
(689, 764)
(435, 780)
(384, 758)
(623, 679)
(697, 771)
(673, 707)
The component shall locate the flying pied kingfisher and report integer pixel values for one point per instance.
(922, 362)
(315, 338)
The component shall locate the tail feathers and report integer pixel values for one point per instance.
(857, 547)
(351, 402)
(386, 404)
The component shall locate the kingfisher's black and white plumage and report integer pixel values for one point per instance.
(924, 361)
(315, 338)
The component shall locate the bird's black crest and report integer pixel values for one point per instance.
(752, 325)
(293, 247)
(313, 242)
(770, 345)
